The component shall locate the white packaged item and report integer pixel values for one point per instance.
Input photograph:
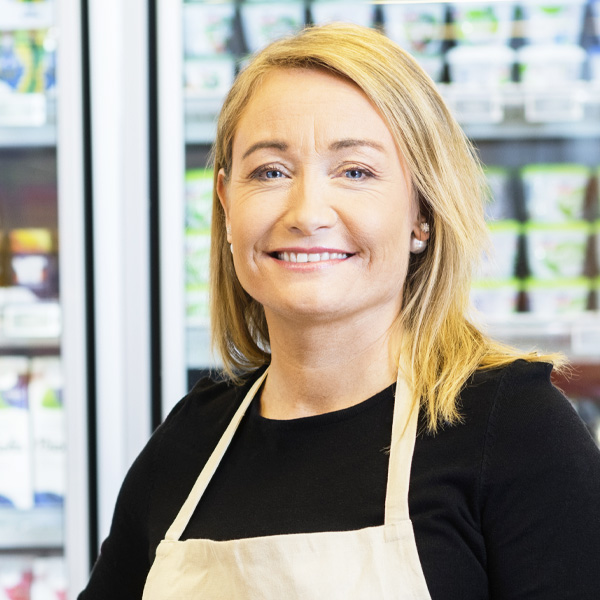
(15, 578)
(500, 204)
(197, 307)
(481, 66)
(264, 22)
(207, 28)
(501, 263)
(495, 298)
(555, 192)
(330, 11)
(552, 21)
(48, 431)
(550, 65)
(198, 198)
(209, 78)
(49, 579)
(557, 297)
(197, 257)
(418, 27)
(556, 250)
(33, 320)
(483, 22)
(15, 441)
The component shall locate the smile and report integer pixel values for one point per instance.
(304, 257)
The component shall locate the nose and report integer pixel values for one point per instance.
(309, 206)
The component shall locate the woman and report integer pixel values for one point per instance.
(370, 441)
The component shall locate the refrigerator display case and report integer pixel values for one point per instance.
(523, 79)
(44, 520)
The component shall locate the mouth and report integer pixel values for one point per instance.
(309, 257)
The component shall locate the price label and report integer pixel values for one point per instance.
(26, 15)
(476, 105)
(585, 340)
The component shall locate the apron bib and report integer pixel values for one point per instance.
(375, 562)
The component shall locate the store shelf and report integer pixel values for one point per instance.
(38, 529)
(511, 112)
(577, 336)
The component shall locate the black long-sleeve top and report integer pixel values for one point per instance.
(505, 505)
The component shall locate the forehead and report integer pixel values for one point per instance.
(300, 101)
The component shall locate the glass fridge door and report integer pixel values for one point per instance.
(523, 80)
(43, 441)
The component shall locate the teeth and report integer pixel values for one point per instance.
(303, 257)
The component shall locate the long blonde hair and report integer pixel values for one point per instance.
(442, 346)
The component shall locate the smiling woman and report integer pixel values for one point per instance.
(368, 441)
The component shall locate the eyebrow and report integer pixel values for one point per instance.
(335, 146)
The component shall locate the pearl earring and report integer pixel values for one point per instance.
(417, 246)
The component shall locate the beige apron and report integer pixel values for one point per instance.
(371, 563)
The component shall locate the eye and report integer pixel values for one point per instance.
(267, 172)
(272, 174)
(354, 173)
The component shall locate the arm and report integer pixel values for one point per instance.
(540, 491)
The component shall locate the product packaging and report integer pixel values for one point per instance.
(48, 431)
(558, 296)
(501, 263)
(553, 21)
(483, 22)
(207, 28)
(15, 441)
(550, 65)
(209, 77)
(557, 250)
(22, 61)
(197, 257)
(594, 63)
(49, 579)
(15, 578)
(495, 298)
(198, 198)
(555, 192)
(481, 66)
(34, 262)
(330, 11)
(500, 204)
(264, 22)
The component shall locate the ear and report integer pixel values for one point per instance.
(421, 229)
(222, 194)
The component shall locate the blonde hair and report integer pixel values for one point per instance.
(442, 346)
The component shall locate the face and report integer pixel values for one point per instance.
(318, 203)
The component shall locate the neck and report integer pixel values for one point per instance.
(321, 367)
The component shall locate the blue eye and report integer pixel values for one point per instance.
(354, 174)
(273, 174)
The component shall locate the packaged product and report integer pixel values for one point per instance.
(495, 298)
(558, 296)
(501, 263)
(198, 198)
(482, 22)
(594, 63)
(48, 431)
(207, 28)
(197, 308)
(595, 12)
(557, 250)
(49, 578)
(420, 29)
(33, 260)
(330, 11)
(481, 66)
(555, 192)
(15, 578)
(553, 21)
(197, 257)
(22, 61)
(264, 22)
(15, 443)
(500, 203)
(209, 77)
(548, 65)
